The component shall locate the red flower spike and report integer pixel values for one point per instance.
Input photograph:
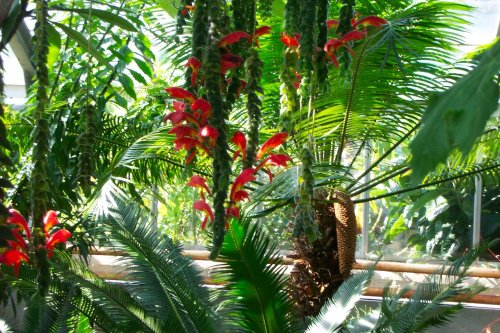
(374, 21)
(188, 144)
(240, 195)
(13, 258)
(190, 157)
(273, 142)
(264, 30)
(200, 182)
(187, 9)
(240, 141)
(332, 24)
(195, 65)
(209, 132)
(232, 38)
(290, 41)
(244, 177)
(49, 221)
(332, 45)
(279, 160)
(203, 206)
(19, 243)
(18, 219)
(182, 131)
(225, 65)
(352, 35)
(176, 92)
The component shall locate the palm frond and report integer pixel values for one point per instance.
(258, 302)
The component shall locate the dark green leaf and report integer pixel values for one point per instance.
(104, 15)
(6, 233)
(456, 117)
(128, 85)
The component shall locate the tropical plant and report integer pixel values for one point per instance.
(162, 291)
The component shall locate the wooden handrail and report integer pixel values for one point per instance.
(384, 266)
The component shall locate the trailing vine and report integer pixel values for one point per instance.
(86, 148)
(39, 183)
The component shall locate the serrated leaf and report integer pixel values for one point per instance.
(104, 15)
(128, 85)
(138, 77)
(145, 68)
(456, 117)
(84, 43)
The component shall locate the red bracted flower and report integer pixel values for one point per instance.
(240, 141)
(374, 21)
(204, 110)
(229, 61)
(232, 38)
(189, 144)
(352, 35)
(187, 9)
(176, 92)
(18, 219)
(237, 194)
(264, 30)
(290, 41)
(179, 116)
(19, 243)
(179, 106)
(49, 221)
(203, 206)
(13, 258)
(332, 24)
(232, 211)
(199, 182)
(60, 236)
(271, 143)
(195, 65)
(279, 160)
(334, 44)
(209, 132)
(182, 131)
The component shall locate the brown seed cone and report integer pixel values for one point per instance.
(317, 271)
(346, 231)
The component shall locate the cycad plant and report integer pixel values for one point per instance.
(162, 291)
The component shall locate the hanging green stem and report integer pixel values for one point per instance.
(86, 149)
(221, 158)
(39, 184)
(321, 58)
(254, 75)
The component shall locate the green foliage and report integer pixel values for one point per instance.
(457, 116)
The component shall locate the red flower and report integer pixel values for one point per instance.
(209, 132)
(296, 84)
(232, 38)
(19, 243)
(205, 109)
(182, 131)
(240, 141)
(264, 30)
(290, 41)
(49, 221)
(233, 211)
(60, 236)
(195, 65)
(176, 92)
(334, 44)
(18, 219)
(374, 21)
(279, 160)
(352, 35)
(178, 116)
(272, 143)
(199, 181)
(237, 194)
(188, 144)
(332, 24)
(203, 206)
(229, 61)
(13, 258)
(187, 9)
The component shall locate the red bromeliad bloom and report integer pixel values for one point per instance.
(195, 66)
(203, 206)
(232, 38)
(332, 24)
(176, 92)
(271, 143)
(199, 182)
(264, 30)
(237, 194)
(290, 41)
(14, 258)
(240, 141)
(18, 220)
(187, 9)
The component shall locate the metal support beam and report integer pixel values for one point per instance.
(23, 50)
(366, 206)
(476, 222)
